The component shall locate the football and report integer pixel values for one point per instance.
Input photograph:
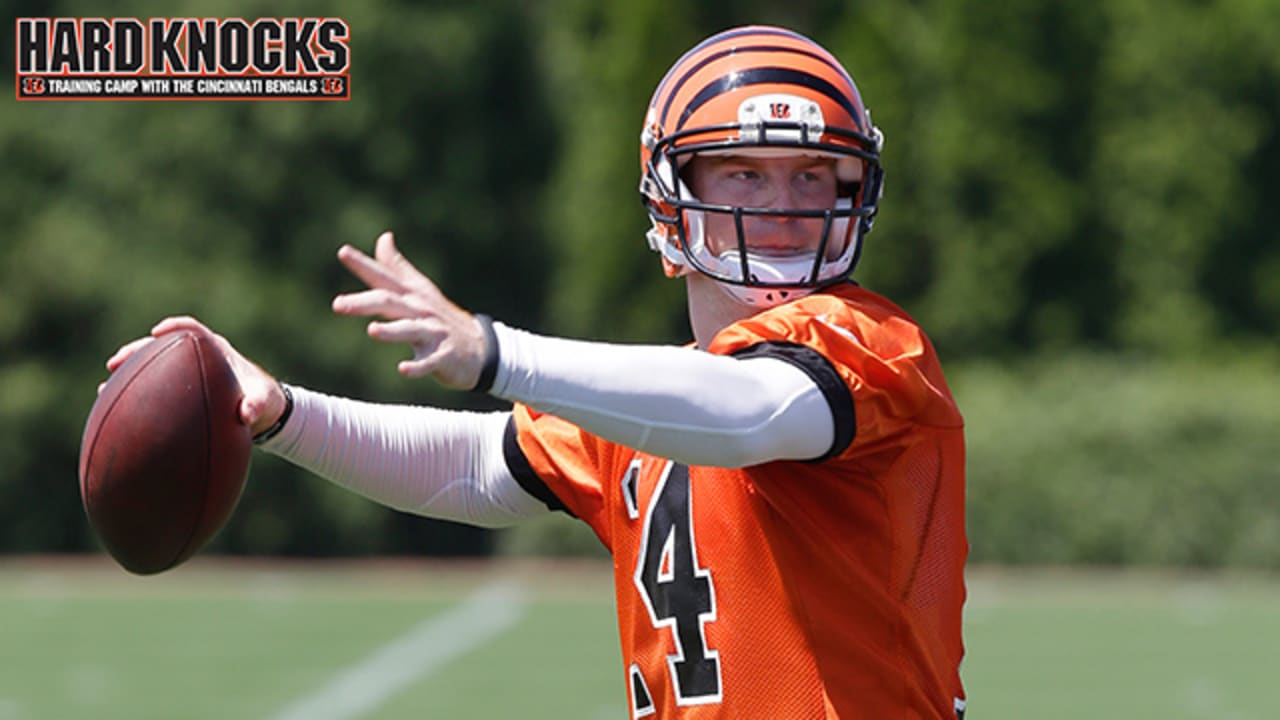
(164, 455)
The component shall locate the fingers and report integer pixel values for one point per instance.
(397, 288)
(253, 406)
(167, 325)
(402, 331)
(186, 322)
(369, 271)
(393, 260)
(385, 270)
(180, 322)
(418, 367)
(364, 302)
(385, 250)
(388, 269)
(417, 314)
(262, 400)
(425, 337)
(379, 302)
(429, 340)
(125, 352)
(444, 352)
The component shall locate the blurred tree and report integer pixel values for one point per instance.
(1186, 158)
(603, 60)
(120, 213)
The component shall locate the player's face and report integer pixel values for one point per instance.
(794, 182)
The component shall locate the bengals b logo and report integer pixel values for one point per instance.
(333, 86)
(32, 86)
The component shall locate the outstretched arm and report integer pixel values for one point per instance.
(443, 464)
(677, 403)
(439, 463)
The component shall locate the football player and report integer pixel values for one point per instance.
(783, 498)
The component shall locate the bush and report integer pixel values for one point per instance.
(1109, 460)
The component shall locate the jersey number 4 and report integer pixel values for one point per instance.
(679, 595)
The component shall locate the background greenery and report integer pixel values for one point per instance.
(1078, 208)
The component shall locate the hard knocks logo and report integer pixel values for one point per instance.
(182, 59)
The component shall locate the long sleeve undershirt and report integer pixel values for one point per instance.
(677, 403)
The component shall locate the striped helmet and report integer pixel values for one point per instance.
(759, 90)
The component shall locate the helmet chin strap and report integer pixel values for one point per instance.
(763, 298)
(767, 270)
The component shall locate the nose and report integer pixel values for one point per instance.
(780, 234)
(785, 196)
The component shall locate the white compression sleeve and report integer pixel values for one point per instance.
(440, 463)
(678, 403)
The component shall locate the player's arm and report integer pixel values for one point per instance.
(677, 403)
(432, 462)
(444, 464)
(680, 403)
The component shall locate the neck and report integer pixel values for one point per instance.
(711, 309)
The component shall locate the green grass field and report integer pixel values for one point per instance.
(81, 639)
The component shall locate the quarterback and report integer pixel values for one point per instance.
(783, 497)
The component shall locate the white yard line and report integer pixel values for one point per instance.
(429, 645)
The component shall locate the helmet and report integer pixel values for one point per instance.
(758, 90)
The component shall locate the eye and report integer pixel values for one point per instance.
(816, 174)
(815, 182)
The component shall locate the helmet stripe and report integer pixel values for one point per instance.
(727, 35)
(761, 76)
(675, 90)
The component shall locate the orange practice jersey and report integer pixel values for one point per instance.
(821, 589)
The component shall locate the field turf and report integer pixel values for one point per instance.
(401, 639)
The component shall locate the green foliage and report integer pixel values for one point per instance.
(1061, 176)
(552, 535)
(1103, 460)
(118, 214)
(603, 58)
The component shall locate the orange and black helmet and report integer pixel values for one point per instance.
(759, 90)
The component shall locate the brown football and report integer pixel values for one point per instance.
(164, 455)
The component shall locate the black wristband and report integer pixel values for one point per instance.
(275, 429)
(489, 370)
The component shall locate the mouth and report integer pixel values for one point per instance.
(775, 250)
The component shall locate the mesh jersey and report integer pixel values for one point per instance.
(821, 589)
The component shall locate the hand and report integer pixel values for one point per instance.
(263, 401)
(448, 342)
